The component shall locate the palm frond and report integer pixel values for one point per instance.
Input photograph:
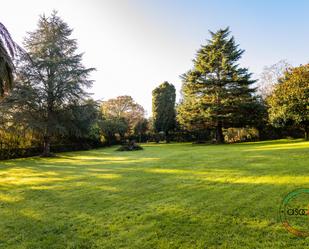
(8, 50)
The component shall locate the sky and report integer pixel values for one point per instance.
(135, 45)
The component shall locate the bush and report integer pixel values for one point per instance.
(130, 146)
(268, 132)
(236, 135)
(9, 153)
(19, 152)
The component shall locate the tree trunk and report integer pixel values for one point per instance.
(219, 133)
(307, 133)
(167, 137)
(50, 117)
(46, 148)
(157, 138)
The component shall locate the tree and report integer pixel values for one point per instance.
(270, 76)
(8, 50)
(80, 121)
(49, 79)
(217, 92)
(163, 108)
(123, 107)
(190, 121)
(110, 126)
(140, 128)
(289, 103)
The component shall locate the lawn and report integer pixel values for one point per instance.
(166, 196)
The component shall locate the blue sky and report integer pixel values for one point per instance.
(268, 30)
(137, 44)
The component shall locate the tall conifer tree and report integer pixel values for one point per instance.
(217, 92)
(163, 108)
(49, 80)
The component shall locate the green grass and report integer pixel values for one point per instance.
(166, 196)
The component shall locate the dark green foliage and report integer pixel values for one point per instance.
(140, 128)
(36, 151)
(80, 121)
(19, 152)
(217, 93)
(130, 146)
(163, 108)
(50, 80)
(112, 126)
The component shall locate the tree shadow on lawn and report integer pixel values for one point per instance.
(157, 201)
(273, 142)
(258, 167)
(100, 156)
(190, 213)
(253, 167)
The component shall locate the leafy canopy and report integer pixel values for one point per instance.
(121, 115)
(289, 103)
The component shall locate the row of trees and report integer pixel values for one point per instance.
(49, 102)
(218, 94)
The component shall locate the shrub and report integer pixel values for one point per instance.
(130, 146)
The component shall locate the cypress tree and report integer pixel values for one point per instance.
(163, 108)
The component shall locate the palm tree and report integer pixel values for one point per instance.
(8, 50)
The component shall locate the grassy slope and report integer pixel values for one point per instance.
(167, 196)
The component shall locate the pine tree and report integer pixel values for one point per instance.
(163, 108)
(216, 92)
(49, 79)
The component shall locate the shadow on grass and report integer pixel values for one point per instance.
(185, 212)
(212, 198)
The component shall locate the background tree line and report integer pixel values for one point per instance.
(45, 104)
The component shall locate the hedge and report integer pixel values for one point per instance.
(11, 153)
